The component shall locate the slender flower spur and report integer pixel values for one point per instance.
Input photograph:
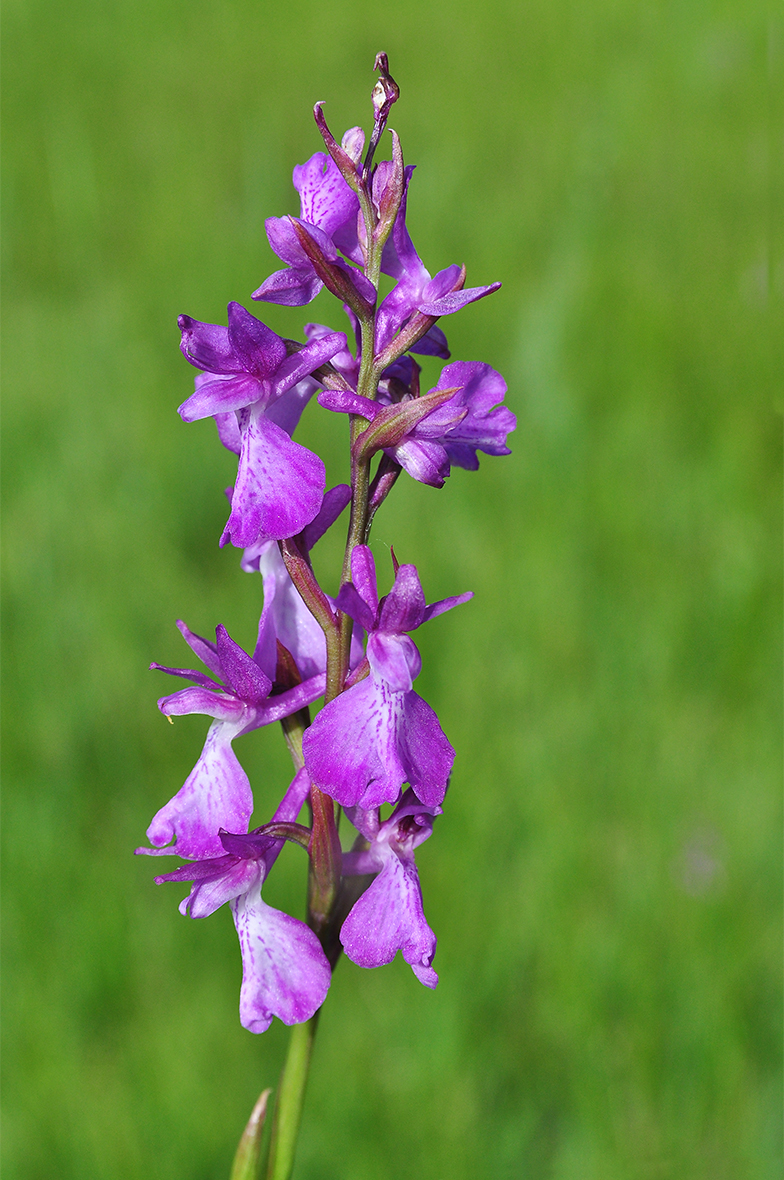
(374, 740)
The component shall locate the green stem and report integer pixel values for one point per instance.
(290, 1100)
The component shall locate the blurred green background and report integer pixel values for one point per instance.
(605, 881)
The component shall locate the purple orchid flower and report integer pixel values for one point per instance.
(389, 916)
(285, 617)
(452, 433)
(415, 289)
(328, 214)
(285, 972)
(217, 794)
(280, 484)
(379, 733)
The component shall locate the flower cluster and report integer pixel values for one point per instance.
(374, 741)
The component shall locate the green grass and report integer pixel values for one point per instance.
(605, 881)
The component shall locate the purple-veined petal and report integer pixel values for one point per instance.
(366, 821)
(395, 659)
(344, 361)
(349, 601)
(198, 870)
(310, 357)
(243, 675)
(433, 343)
(389, 917)
(286, 618)
(205, 649)
(455, 300)
(335, 500)
(209, 895)
(292, 287)
(425, 751)
(286, 410)
(353, 142)
(222, 706)
(399, 258)
(445, 604)
(279, 488)
(207, 346)
(403, 609)
(222, 396)
(215, 795)
(283, 704)
(345, 401)
(350, 748)
(283, 239)
(229, 432)
(359, 864)
(441, 284)
(424, 460)
(261, 350)
(325, 198)
(190, 674)
(363, 575)
(285, 972)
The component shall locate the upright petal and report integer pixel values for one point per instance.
(285, 972)
(325, 198)
(403, 608)
(260, 349)
(207, 346)
(242, 674)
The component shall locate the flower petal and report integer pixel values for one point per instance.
(292, 287)
(261, 350)
(363, 575)
(389, 917)
(403, 608)
(285, 972)
(221, 396)
(286, 410)
(425, 751)
(208, 896)
(215, 795)
(350, 748)
(395, 659)
(207, 346)
(242, 674)
(325, 198)
(205, 649)
(221, 706)
(279, 488)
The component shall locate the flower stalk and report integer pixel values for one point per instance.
(374, 741)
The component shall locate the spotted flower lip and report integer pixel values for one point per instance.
(285, 972)
(379, 733)
(280, 484)
(389, 916)
(217, 793)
